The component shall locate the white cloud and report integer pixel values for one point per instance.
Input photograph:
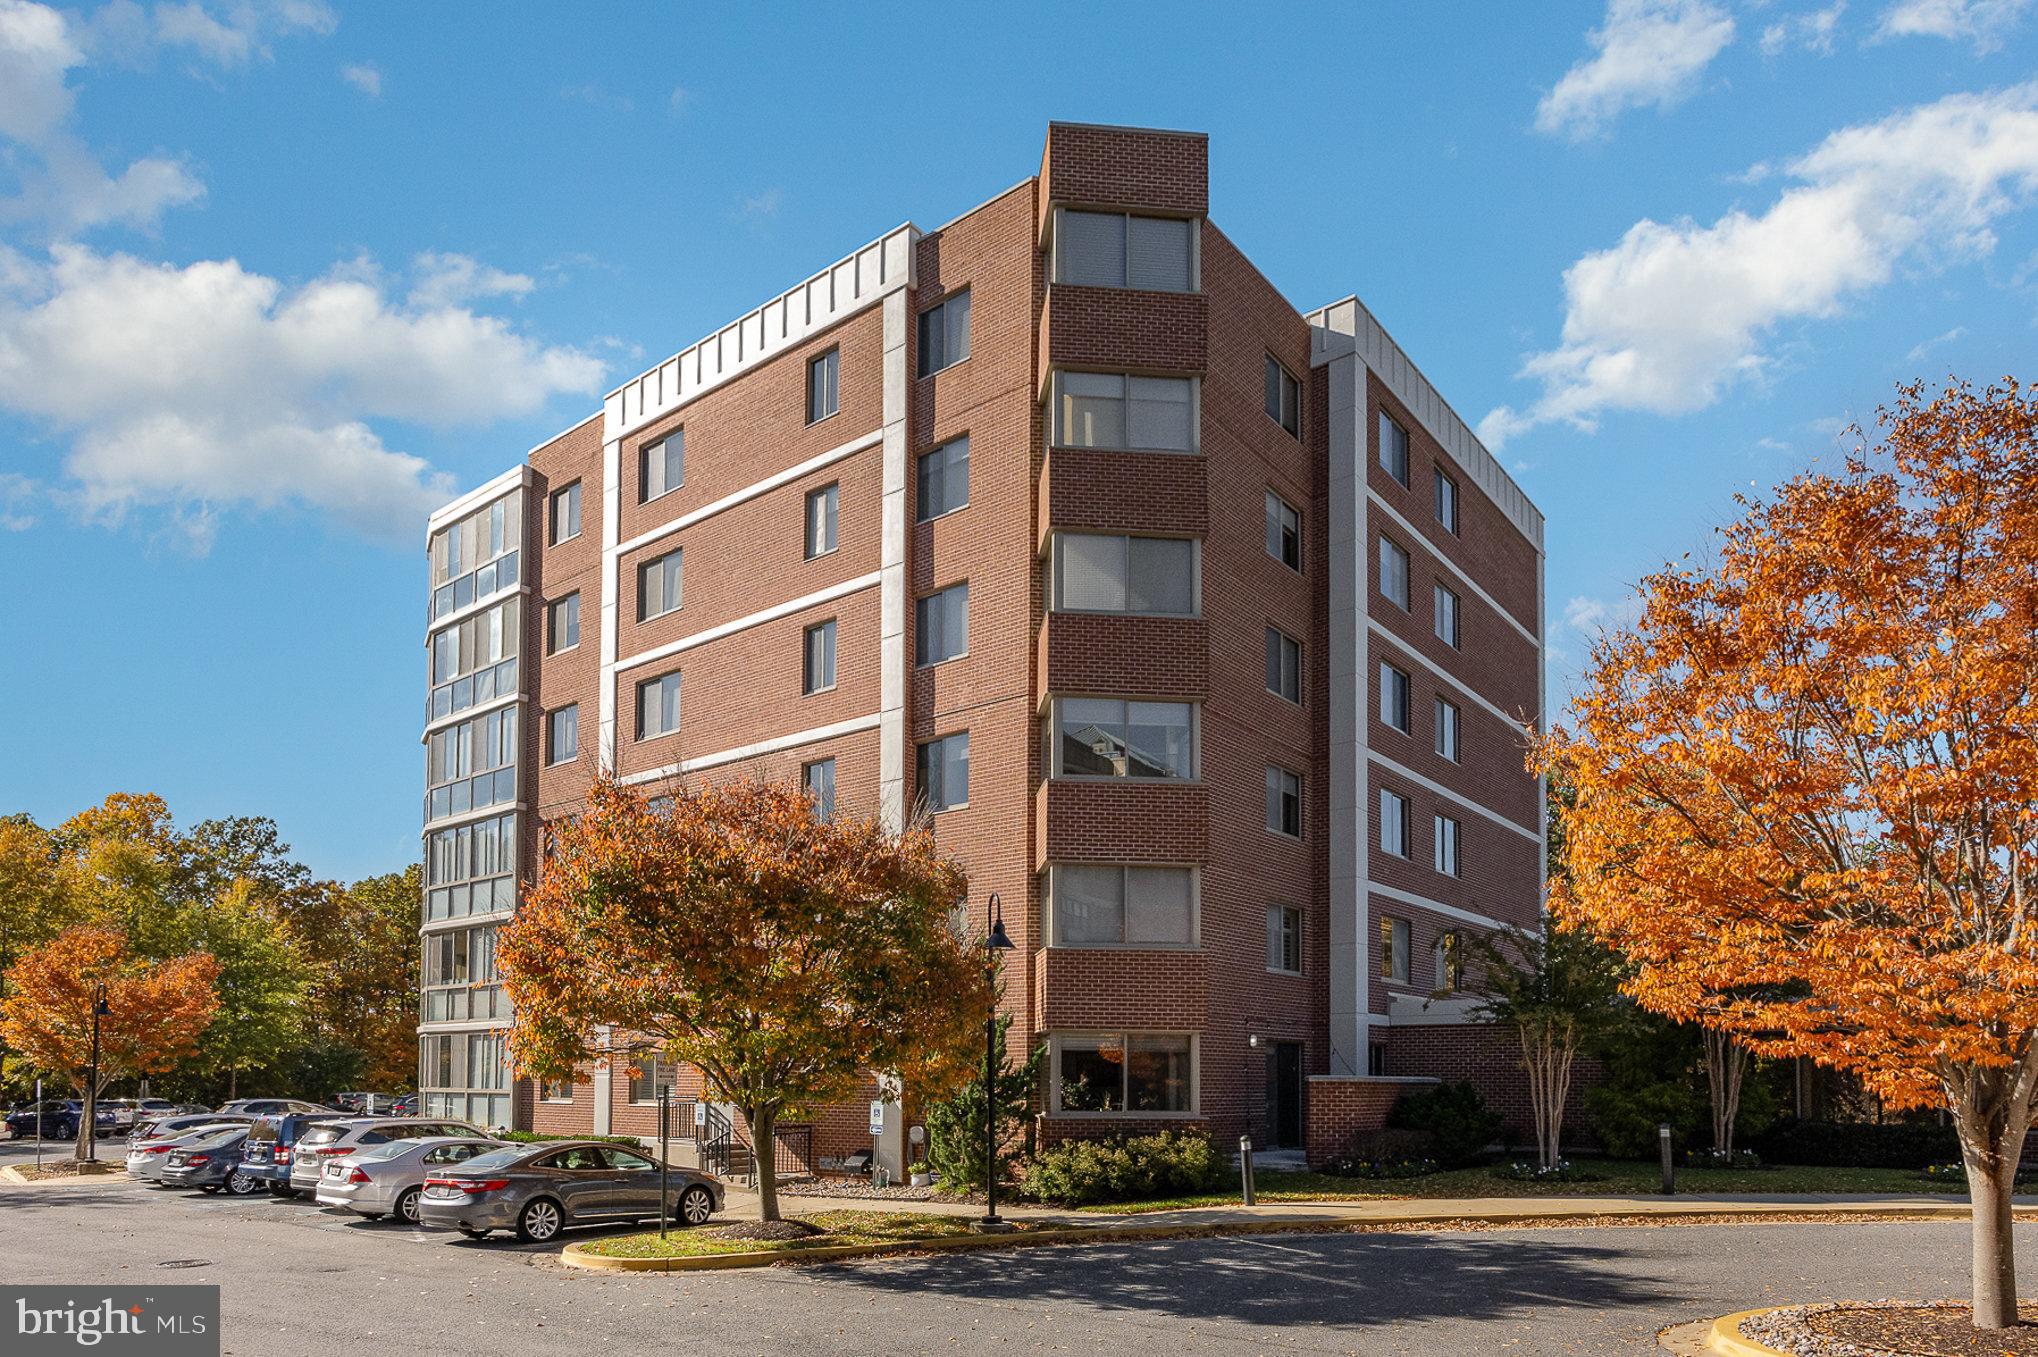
(761, 207)
(1673, 314)
(365, 78)
(456, 279)
(678, 99)
(239, 30)
(17, 496)
(210, 386)
(1919, 350)
(1648, 52)
(1590, 616)
(1812, 30)
(1980, 22)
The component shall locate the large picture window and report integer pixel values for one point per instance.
(1106, 574)
(1095, 906)
(1135, 1072)
(1113, 249)
(1135, 414)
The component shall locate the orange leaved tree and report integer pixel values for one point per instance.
(155, 1011)
(783, 954)
(1807, 783)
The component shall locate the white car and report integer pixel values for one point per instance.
(387, 1179)
(340, 1138)
(146, 1157)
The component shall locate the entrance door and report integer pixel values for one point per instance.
(1284, 1095)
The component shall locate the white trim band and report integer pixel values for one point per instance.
(1412, 531)
(751, 751)
(1467, 802)
(749, 492)
(771, 614)
(1439, 907)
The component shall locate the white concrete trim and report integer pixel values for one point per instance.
(1346, 326)
(1349, 816)
(771, 614)
(1471, 584)
(469, 1026)
(1467, 802)
(470, 816)
(482, 709)
(749, 492)
(611, 527)
(893, 604)
(1439, 907)
(875, 271)
(751, 751)
(1458, 685)
(519, 476)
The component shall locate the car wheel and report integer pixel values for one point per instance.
(407, 1205)
(241, 1184)
(696, 1204)
(539, 1221)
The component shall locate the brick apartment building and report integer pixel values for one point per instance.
(1204, 629)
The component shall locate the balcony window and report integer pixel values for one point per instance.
(1109, 574)
(1109, 737)
(1109, 906)
(1135, 414)
(1113, 249)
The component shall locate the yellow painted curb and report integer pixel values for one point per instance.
(12, 1173)
(1727, 1340)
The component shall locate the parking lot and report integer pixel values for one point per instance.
(299, 1280)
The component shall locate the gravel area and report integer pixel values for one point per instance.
(860, 1189)
(1885, 1327)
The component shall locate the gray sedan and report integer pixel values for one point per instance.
(147, 1157)
(211, 1163)
(387, 1179)
(538, 1190)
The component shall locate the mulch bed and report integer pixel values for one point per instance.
(766, 1230)
(859, 1189)
(68, 1168)
(1882, 1328)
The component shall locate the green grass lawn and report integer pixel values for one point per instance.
(1612, 1179)
(837, 1227)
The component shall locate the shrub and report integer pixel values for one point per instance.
(1625, 1116)
(1858, 1145)
(1713, 1159)
(1169, 1164)
(537, 1137)
(1563, 1171)
(1393, 1153)
(955, 1125)
(1455, 1118)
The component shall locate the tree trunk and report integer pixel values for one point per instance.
(1726, 1067)
(1992, 1113)
(1546, 1050)
(763, 1123)
(88, 1122)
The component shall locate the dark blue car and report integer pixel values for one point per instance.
(272, 1144)
(60, 1118)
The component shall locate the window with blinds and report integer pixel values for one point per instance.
(1135, 414)
(1115, 249)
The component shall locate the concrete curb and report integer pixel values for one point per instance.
(576, 1255)
(12, 1173)
(1726, 1338)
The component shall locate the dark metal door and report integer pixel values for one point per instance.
(1284, 1095)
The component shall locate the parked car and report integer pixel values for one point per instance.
(211, 1164)
(59, 1118)
(183, 1124)
(128, 1112)
(273, 1107)
(406, 1106)
(147, 1156)
(363, 1104)
(387, 1179)
(333, 1139)
(538, 1190)
(272, 1142)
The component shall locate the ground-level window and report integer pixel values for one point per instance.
(558, 1091)
(1136, 1072)
(648, 1076)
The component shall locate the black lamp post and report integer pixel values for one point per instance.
(99, 1010)
(995, 941)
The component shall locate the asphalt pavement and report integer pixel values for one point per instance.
(299, 1280)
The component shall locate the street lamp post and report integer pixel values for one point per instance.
(91, 1117)
(995, 941)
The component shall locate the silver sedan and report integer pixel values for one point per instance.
(147, 1156)
(387, 1179)
(538, 1190)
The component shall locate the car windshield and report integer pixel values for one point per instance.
(497, 1159)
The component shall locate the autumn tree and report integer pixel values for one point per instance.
(785, 955)
(1807, 783)
(154, 1013)
(263, 975)
(362, 993)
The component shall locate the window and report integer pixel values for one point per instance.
(1284, 802)
(661, 466)
(944, 334)
(1284, 665)
(1284, 397)
(942, 769)
(1393, 448)
(1394, 571)
(661, 585)
(562, 735)
(818, 778)
(1446, 842)
(471, 764)
(1447, 730)
(1446, 619)
(1125, 1072)
(1447, 501)
(1099, 574)
(1393, 823)
(944, 479)
(822, 506)
(1122, 906)
(658, 706)
(648, 1076)
(1284, 939)
(1447, 963)
(562, 624)
(823, 381)
(1376, 1059)
(819, 667)
(475, 659)
(941, 625)
(1106, 737)
(566, 514)
(1110, 249)
(476, 556)
(1394, 698)
(552, 1091)
(1284, 532)
(1106, 410)
(1394, 948)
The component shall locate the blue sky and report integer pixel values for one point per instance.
(274, 276)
